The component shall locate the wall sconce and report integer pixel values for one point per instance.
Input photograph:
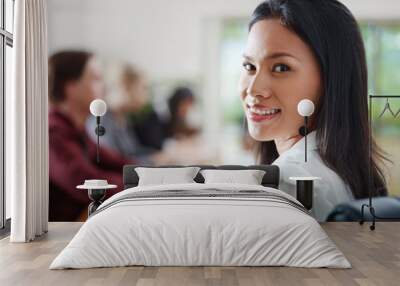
(305, 108)
(98, 108)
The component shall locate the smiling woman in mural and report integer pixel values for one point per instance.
(307, 49)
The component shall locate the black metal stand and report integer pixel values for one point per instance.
(97, 196)
(372, 212)
(371, 182)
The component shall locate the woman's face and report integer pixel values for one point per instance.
(279, 70)
(184, 108)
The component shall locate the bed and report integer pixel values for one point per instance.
(201, 224)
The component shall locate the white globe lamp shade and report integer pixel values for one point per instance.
(98, 107)
(305, 107)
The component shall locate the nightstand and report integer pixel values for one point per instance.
(304, 190)
(97, 190)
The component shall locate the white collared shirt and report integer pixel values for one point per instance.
(328, 192)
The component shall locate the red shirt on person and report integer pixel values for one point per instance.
(72, 160)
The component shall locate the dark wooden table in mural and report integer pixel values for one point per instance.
(374, 255)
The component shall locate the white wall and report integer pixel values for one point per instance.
(163, 37)
(374, 9)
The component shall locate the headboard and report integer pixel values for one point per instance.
(270, 179)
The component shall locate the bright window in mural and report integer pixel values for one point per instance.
(382, 42)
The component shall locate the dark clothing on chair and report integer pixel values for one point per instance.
(72, 160)
(148, 127)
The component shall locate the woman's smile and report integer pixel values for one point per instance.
(259, 113)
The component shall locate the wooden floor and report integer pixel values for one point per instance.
(375, 257)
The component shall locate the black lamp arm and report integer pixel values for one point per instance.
(100, 131)
(305, 137)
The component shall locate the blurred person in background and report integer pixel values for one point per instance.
(180, 105)
(75, 79)
(121, 133)
(184, 138)
(142, 119)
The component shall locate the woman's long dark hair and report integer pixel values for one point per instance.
(342, 129)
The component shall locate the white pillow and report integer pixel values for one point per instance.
(248, 177)
(162, 176)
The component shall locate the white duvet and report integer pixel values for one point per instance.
(183, 231)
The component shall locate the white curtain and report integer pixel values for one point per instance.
(27, 124)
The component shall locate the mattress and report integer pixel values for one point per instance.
(201, 225)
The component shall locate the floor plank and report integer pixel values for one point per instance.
(374, 255)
